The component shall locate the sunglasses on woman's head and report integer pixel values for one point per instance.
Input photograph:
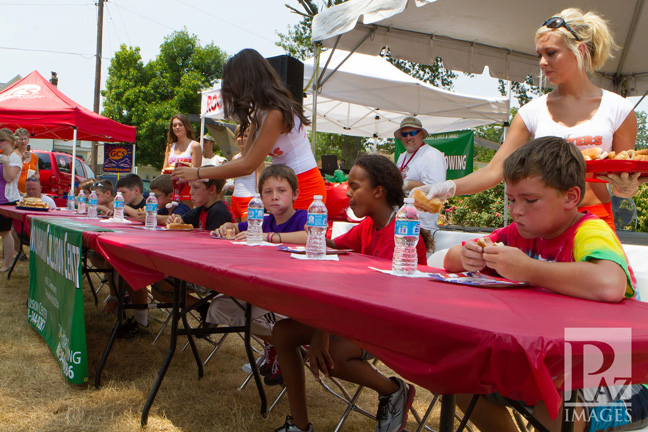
(410, 133)
(556, 22)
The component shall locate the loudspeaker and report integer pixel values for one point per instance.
(329, 164)
(291, 72)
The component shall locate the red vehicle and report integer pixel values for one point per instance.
(56, 172)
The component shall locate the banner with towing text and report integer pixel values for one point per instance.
(457, 148)
(55, 302)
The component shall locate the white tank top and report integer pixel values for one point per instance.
(244, 186)
(596, 132)
(184, 156)
(293, 149)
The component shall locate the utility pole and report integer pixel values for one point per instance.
(97, 89)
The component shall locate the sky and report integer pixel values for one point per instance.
(61, 36)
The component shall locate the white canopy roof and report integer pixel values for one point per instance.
(368, 96)
(470, 34)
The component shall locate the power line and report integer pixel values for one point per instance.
(226, 22)
(85, 56)
(46, 4)
(123, 24)
(144, 16)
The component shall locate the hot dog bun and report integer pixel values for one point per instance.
(179, 226)
(421, 202)
(486, 241)
(592, 153)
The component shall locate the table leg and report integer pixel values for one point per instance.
(192, 343)
(446, 421)
(22, 242)
(252, 360)
(118, 324)
(86, 272)
(179, 285)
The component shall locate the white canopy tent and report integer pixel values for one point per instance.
(469, 34)
(368, 96)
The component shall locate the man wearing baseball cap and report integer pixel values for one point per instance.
(209, 157)
(420, 164)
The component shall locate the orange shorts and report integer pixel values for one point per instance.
(239, 207)
(310, 184)
(603, 211)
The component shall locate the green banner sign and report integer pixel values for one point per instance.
(55, 304)
(457, 148)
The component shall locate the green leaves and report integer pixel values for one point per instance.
(148, 95)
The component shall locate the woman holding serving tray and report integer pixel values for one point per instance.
(255, 97)
(569, 46)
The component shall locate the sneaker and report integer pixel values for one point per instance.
(275, 377)
(131, 328)
(270, 355)
(393, 408)
(289, 427)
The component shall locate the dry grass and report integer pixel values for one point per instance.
(34, 396)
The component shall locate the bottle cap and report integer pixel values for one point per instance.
(256, 195)
(408, 200)
(319, 197)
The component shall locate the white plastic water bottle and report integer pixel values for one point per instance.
(406, 236)
(70, 202)
(151, 212)
(92, 205)
(81, 208)
(119, 207)
(316, 225)
(255, 221)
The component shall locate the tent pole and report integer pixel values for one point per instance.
(202, 130)
(134, 153)
(509, 95)
(318, 50)
(74, 142)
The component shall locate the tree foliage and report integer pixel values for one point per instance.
(148, 95)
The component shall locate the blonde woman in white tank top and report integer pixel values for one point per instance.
(570, 45)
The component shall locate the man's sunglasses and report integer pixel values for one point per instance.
(556, 22)
(410, 133)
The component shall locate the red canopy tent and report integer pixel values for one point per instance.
(35, 104)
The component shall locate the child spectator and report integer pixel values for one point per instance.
(131, 187)
(105, 196)
(376, 191)
(284, 224)
(553, 245)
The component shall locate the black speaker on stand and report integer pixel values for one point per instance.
(291, 72)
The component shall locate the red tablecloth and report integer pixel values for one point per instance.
(447, 338)
(22, 216)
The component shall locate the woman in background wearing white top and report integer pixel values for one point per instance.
(10, 167)
(243, 187)
(181, 143)
(254, 96)
(182, 147)
(569, 45)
